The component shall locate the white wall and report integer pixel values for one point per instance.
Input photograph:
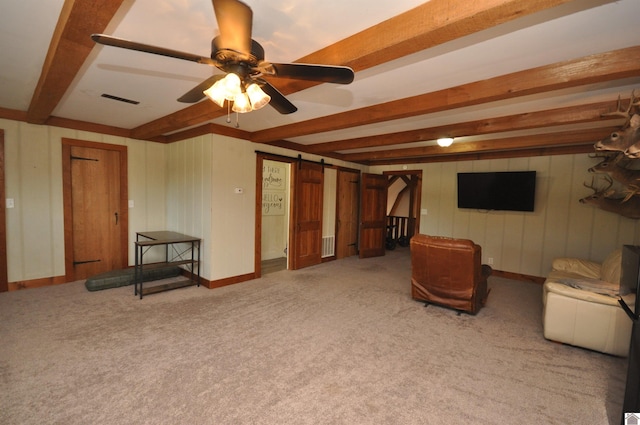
(518, 242)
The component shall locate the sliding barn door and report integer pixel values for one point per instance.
(347, 220)
(373, 215)
(307, 215)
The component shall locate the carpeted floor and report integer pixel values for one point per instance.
(338, 343)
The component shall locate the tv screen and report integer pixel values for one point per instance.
(501, 190)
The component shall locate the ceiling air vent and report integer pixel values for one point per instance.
(120, 99)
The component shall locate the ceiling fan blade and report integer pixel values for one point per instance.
(278, 101)
(302, 71)
(132, 45)
(234, 22)
(196, 94)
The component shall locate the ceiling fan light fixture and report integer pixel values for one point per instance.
(257, 96)
(241, 103)
(217, 93)
(445, 141)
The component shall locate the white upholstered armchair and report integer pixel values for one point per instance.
(580, 305)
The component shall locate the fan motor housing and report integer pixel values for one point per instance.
(228, 56)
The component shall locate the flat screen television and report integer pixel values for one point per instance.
(498, 190)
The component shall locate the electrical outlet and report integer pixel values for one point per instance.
(10, 203)
(490, 261)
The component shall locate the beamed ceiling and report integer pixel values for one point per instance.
(506, 78)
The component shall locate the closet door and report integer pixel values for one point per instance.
(96, 213)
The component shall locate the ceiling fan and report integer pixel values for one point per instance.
(242, 60)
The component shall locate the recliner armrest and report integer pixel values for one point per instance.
(580, 294)
(585, 268)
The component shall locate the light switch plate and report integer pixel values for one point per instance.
(10, 203)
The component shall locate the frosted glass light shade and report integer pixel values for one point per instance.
(232, 85)
(241, 103)
(445, 141)
(257, 97)
(216, 93)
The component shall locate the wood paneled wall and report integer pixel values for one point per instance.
(526, 242)
(189, 169)
(33, 178)
(189, 187)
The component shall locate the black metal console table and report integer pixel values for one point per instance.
(179, 250)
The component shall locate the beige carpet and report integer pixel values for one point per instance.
(338, 343)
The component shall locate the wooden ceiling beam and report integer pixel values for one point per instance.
(428, 25)
(70, 46)
(525, 121)
(193, 115)
(614, 65)
(521, 153)
(504, 144)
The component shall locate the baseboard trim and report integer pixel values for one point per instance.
(228, 281)
(36, 283)
(219, 283)
(518, 276)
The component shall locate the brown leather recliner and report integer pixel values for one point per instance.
(448, 272)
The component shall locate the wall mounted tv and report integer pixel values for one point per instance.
(500, 190)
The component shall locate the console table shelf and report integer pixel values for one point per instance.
(179, 250)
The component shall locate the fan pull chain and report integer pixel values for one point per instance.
(228, 111)
(237, 120)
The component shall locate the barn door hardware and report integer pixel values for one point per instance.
(298, 159)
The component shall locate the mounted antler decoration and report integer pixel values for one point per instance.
(607, 199)
(619, 151)
(627, 139)
(615, 167)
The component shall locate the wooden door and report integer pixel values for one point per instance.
(348, 183)
(96, 225)
(373, 215)
(306, 245)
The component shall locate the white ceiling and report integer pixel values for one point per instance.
(291, 29)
